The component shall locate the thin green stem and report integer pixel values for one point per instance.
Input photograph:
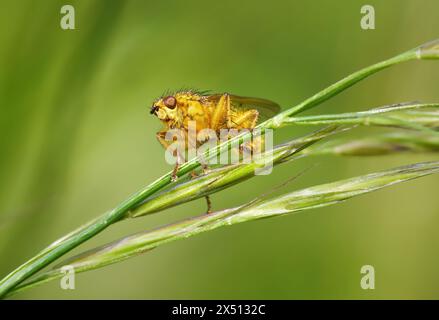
(377, 117)
(381, 144)
(342, 85)
(360, 114)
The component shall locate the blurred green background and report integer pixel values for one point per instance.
(77, 139)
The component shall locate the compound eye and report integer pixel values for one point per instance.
(170, 102)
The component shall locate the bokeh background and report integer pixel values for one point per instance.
(76, 138)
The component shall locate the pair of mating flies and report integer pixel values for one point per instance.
(209, 111)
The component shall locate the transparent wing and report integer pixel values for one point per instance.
(266, 108)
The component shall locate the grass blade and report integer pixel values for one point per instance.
(382, 144)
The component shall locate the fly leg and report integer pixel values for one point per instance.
(219, 119)
(179, 160)
(174, 176)
(245, 120)
(208, 201)
(161, 137)
(221, 115)
(209, 205)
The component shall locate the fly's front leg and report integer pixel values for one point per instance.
(174, 175)
(161, 137)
